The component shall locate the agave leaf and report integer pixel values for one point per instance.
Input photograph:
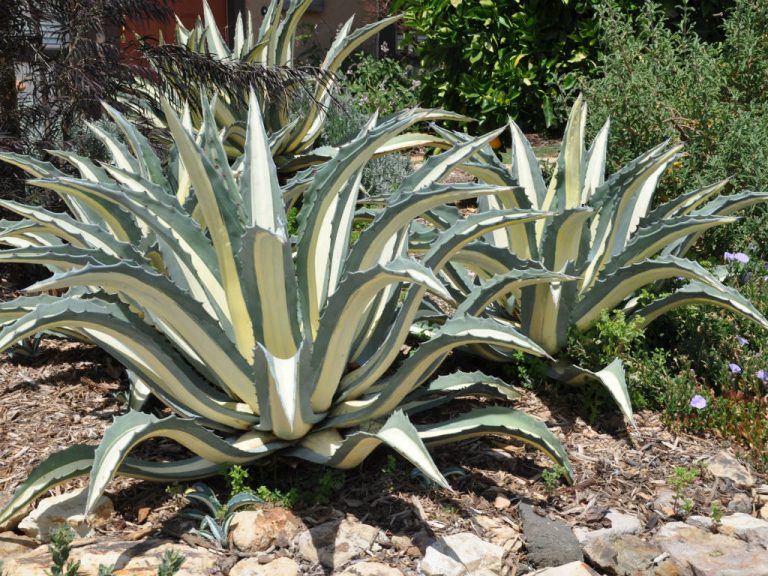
(612, 289)
(595, 170)
(566, 238)
(188, 325)
(436, 167)
(498, 421)
(328, 447)
(305, 133)
(500, 285)
(612, 377)
(401, 210)
(684, 204)
(458, 331)
(718, 206)
(140, 349)
(466, 384)
(149, 164)
(650, 240)
(525, 168)
(286, 32)
(214, 39)
(334, 336)
(410, 140)
(131, 429)
(699, 293)
(217, 216)
(79, 234)
(56, 469)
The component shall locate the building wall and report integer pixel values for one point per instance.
(325, 17)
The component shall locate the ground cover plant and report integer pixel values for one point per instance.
(185, 273)
(606, 242)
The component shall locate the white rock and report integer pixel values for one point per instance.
(703, 522)
(570, 569)
(466, 549)
(370, 569)
(252, 567)
(745, 527)
(335, 543)
(65, 509)
(436, 563)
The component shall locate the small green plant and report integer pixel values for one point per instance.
(682, 479)
(60, 547)
(390, 466)
(551, 478)
(287, 499)
(170, 563)
(237, 477)
(381, 83)
(716, 512)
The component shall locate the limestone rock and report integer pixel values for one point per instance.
(335, 543)
(764, 512)
(724, 465)
(629, 555)
(257, 530)
(570, 569)
(134, 558)
(370, 569)
(710, 554)
(470, 551)
(620, 524)
(740, 503)
(64, 509)
(252, 567)
(401, 543)
(746, 528)
(436, 563)
(11, 544)
(664, 503)
(703, 522)
(13, 522)
(549, 542)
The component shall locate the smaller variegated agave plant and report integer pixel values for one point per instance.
(606, 241)
(187, 275)
(273, 45)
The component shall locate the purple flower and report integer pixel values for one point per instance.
(734, 368)
(736, 257)
(742, 341)
(762, 375)
(698, 402)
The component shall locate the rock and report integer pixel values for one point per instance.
(11, 544)
(570, 569)
(764, 512)
(13, 522)
(134, 558)
(746, 528)
(703, 522)
(664, 503)
(740, 503)
(436, 563)
(620, 524)
(629, 555)
(252, 567)
(470, 551)
(257, 530)
(724, 465)
(549, 542)
(401, 543)
(370, 569)
(64, 509)
(710, 554)
(502, 502)
(335, 543)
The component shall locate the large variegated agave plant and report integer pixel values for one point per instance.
(273, 46)
(187, 276)
(605, 237)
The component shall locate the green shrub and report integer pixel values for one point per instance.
(658, 81)
(381, 83)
